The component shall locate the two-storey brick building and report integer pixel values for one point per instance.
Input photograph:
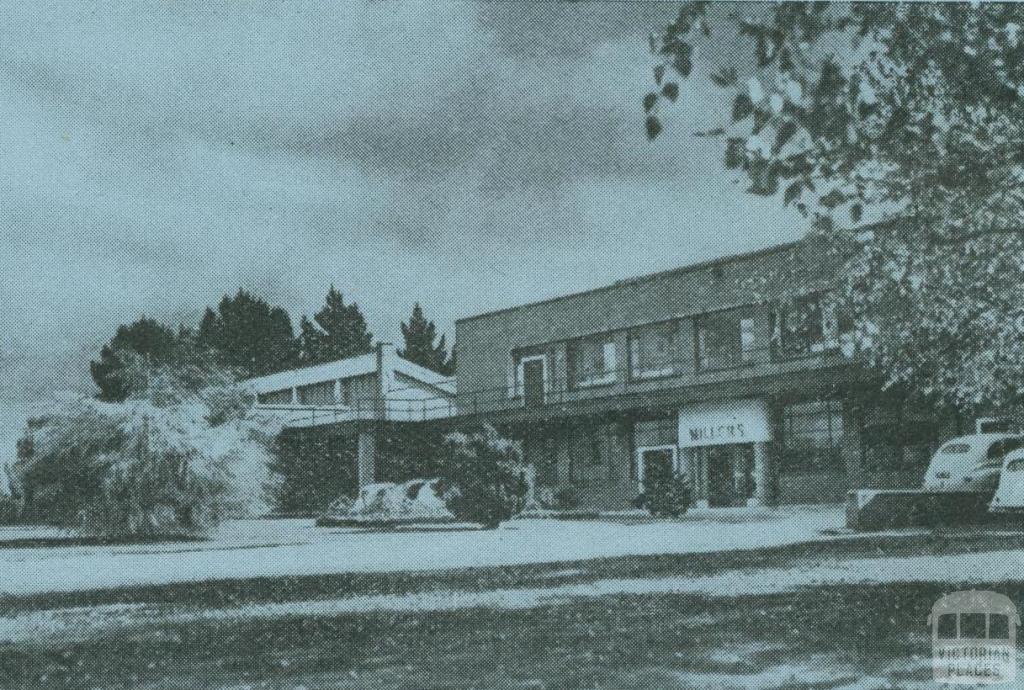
(739, 370)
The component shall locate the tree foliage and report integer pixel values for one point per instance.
(905, 113)
(420, 348)
(335, 332)
(479, 478)
(249, 335)
(146, 338)
(165, 462)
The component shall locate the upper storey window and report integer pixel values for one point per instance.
(725, 339)
(592, 361)
(654, 351)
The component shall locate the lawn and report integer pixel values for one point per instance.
(786, 616)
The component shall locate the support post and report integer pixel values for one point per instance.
(761, 475)
(367, 456)
(700, 487)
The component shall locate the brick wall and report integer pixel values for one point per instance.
(485, 342)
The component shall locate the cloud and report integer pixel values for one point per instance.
(465, 155)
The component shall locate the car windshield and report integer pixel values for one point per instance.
(956, 448)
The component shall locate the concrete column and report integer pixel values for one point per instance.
(386, 356)
(851, 445)
(761, 475)
(367, 456)
(700, 486)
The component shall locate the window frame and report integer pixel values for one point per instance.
(607, 343)
(832, 412)
(674, 367)
(638, 455)
(740, 358)
(830, 311)
(519, 387)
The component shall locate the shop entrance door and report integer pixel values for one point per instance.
(730, 474)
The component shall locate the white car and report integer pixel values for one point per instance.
(970, 463)
(1010, 493)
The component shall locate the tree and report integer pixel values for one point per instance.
(419, 335)
(249, 335)
(909, 113)
(146, 338)
(168, 461)
(337, 331)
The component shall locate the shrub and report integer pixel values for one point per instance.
(10, 496)
(669, 498)
(666, 494)
(479, 480)
(312, 467)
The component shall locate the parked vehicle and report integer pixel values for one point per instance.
(1009, 496)
(970, 463)
(387, 503)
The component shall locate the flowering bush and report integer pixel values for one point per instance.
(146, 469)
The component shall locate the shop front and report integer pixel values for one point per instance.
(725, 446)
(722, 446)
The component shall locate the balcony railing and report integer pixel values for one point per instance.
(558, 391)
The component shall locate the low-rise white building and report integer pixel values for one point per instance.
(358, 394)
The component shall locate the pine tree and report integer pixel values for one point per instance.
(146, 338)
(249, 335)
(419, 335)
(335, 332)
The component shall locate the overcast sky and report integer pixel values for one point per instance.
(466, 155)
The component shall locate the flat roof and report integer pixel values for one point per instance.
(709, 263)
(360, 365)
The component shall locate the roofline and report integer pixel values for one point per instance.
(420, 372)
(719, 261)
(365, 364)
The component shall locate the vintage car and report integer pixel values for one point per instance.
(1009, 496)
(970, 463)
(386, 503)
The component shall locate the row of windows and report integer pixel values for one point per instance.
(346, 391)
(599, 452)
(721, 340)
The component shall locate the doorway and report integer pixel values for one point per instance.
(534, 375)
(656, 462)
(730, 474)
